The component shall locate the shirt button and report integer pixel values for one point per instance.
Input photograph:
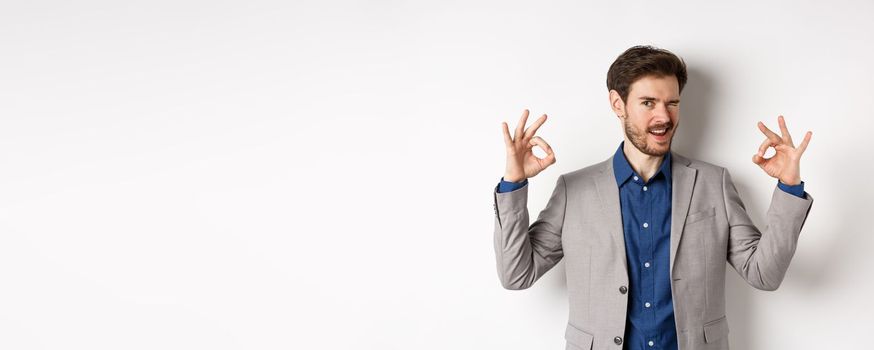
(645, 225)
(635, 178)
(647, 305)
(646, 264)
(623, 289)
(644, 188)
(617, 340)
(651, 343)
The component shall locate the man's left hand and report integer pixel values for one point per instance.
(785, 164)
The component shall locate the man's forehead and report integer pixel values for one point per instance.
(655, 87)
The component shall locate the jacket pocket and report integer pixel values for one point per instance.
(700, 215)
(577, 339)
(715, 330)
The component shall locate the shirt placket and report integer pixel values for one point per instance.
(646, 257)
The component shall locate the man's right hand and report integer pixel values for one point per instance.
(521, 161)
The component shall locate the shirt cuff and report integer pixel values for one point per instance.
(507, 186)
(795, 190)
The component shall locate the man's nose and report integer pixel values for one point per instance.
(661, 113)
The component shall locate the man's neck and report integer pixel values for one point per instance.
(643, 164)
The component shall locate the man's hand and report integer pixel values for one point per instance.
(785, 164)
(521, 161)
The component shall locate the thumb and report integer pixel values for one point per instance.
(759, 160)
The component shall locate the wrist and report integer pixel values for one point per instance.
(513, 179)
(791, 182)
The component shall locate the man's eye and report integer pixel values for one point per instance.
(647, 103)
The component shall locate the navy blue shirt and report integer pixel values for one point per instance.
(646, 221)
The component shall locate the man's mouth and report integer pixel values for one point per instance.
(659, 132)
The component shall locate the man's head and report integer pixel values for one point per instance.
(645, 84)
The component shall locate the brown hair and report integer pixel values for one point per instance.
(640, 61)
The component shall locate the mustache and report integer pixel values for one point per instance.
(667, 126)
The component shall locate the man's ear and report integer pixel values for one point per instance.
(616, 103)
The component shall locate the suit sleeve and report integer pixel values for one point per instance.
(795, 190)
(507, 186)
(762, 258)
(524, 253)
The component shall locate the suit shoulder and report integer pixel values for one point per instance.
(704, 168)
(586, 173)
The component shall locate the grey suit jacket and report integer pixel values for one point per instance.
(582, 223)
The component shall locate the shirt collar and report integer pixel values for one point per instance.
(622, 169)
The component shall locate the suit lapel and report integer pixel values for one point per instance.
(608, 194)
(681, 196)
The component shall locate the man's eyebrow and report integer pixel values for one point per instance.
(648, 98)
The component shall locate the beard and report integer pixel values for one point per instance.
(640, 140)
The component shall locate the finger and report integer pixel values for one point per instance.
(764, 147)
(549, 159)
(769, 134)
(533, 129)
(521, 127)
(803, 146)
(785, 131)
(758, 159)
(537, 140)
(550, 155)
(506, 129)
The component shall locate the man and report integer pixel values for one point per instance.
(646, 233)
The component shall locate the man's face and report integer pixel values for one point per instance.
(652, 106)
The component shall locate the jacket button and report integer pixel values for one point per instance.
(617, 340)
(623, 289)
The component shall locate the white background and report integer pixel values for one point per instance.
(318, 175)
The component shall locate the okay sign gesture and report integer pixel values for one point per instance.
(521, 161)
(785, 164)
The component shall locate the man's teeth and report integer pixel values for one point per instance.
(659, 131)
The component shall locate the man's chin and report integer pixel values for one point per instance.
(658, 150)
